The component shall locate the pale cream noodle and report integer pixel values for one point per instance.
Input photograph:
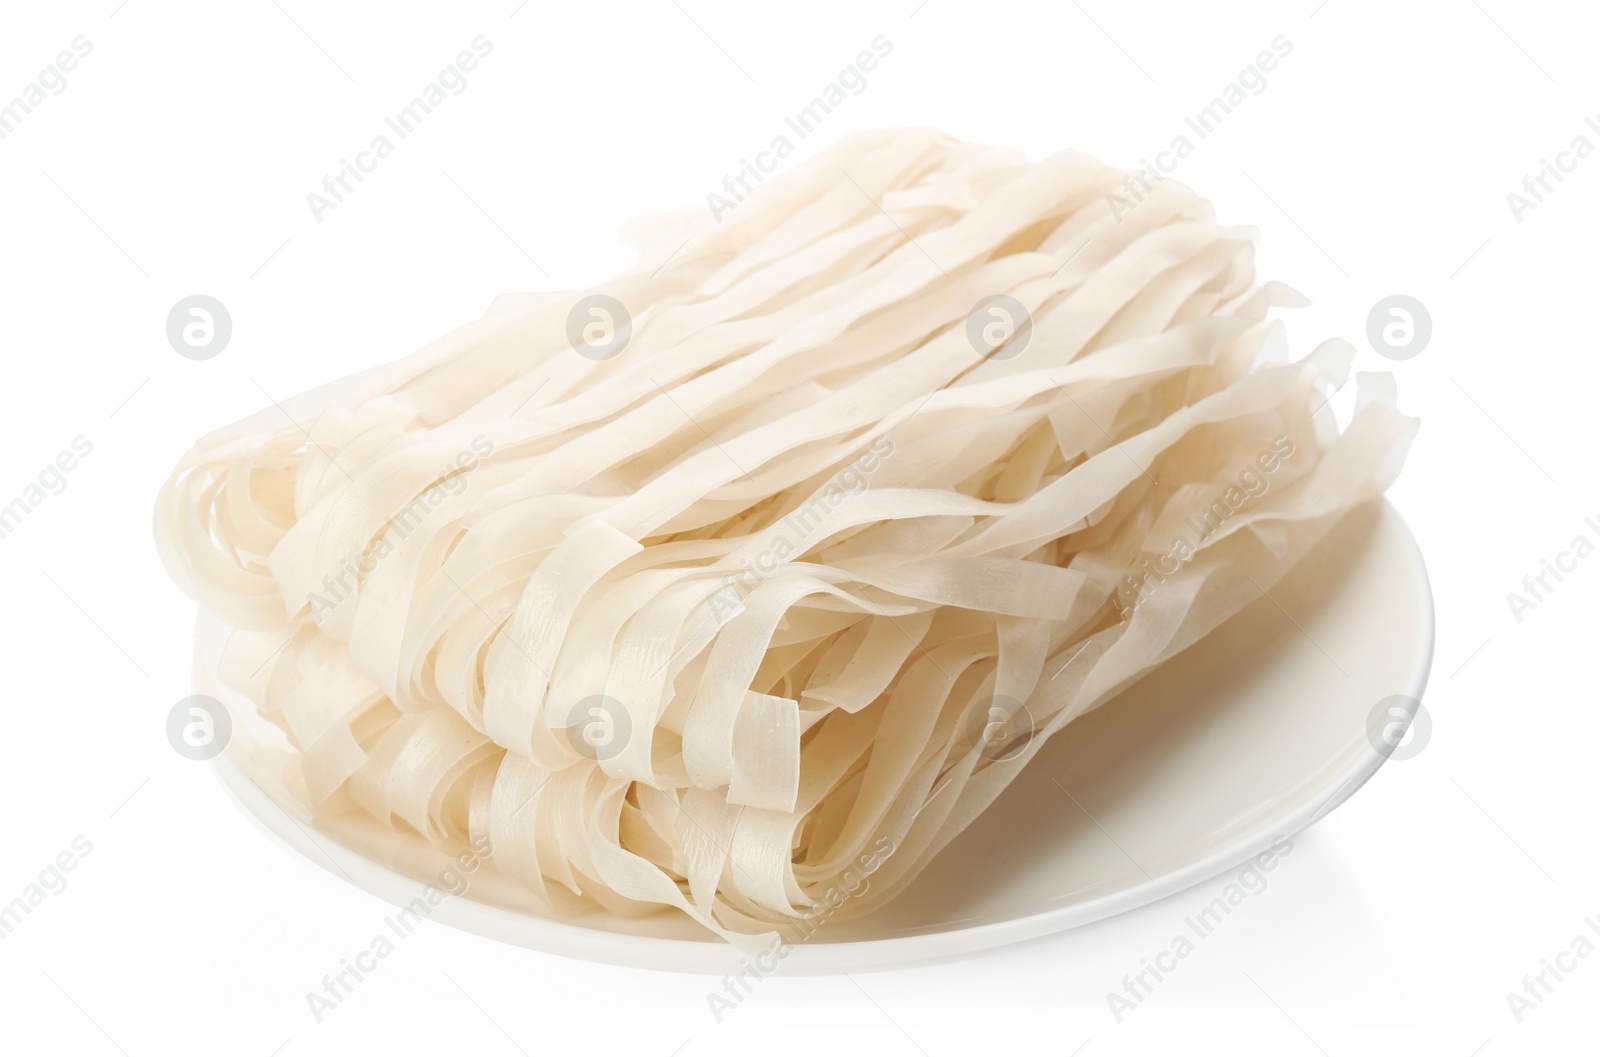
(747, 609)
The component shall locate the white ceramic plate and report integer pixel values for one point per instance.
(1250, 735)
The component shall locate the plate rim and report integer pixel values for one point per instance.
(714, 957)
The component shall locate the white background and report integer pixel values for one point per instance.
(1377, 161)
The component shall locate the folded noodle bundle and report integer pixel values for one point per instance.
(775, 558)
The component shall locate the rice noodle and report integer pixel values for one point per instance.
(717, 609)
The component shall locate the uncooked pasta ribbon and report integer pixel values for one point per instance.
(784, 551)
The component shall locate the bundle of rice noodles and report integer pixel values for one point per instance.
(770, 562)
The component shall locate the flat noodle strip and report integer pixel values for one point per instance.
(773, 560)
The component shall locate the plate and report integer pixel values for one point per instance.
(1247, 737)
